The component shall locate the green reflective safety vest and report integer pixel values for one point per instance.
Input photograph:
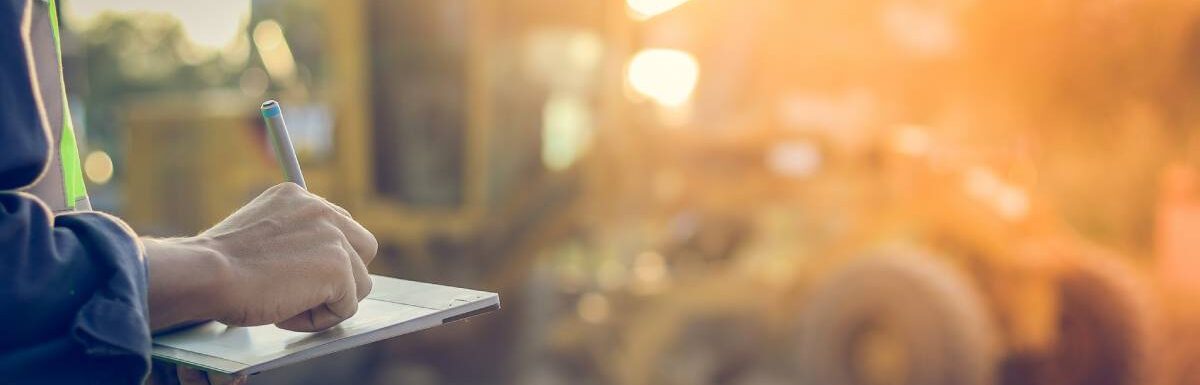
(61, 187)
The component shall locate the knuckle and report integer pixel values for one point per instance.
(344, 255)
(272, 223)
(294, 193)
(284, 190)
(328, 212)
(337, 208)
(337, 250)
(335, 264)
(330, 227)
(351, 308)
(366, 286)
(372, 246)
(276, 189)
(317, 207)
(291, 188)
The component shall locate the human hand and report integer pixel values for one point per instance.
(168, 374)
(293, 259)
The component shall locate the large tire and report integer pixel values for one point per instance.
(704, 334)
(1106, 326)
(936, 322)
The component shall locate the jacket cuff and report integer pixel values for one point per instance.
(114, 322)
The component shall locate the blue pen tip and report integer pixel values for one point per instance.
(270, 108)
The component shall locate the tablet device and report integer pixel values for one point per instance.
(394, 307)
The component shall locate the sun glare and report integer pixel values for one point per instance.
(211, 24)
(665, 75)
(645, 9)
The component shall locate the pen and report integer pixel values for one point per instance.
(282, 143)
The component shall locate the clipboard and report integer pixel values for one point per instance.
(395, 307)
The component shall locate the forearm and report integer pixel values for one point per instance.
(185, 277)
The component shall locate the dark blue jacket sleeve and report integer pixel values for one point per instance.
(73, 290)
(26, 143)
(72, 287)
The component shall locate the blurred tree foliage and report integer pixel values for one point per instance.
(119, 56)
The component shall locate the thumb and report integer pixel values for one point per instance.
(322, 317)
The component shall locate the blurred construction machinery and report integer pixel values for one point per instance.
(751, 192)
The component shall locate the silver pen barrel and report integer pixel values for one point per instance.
(282, 142)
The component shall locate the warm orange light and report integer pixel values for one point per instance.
(911, 140)
(649, 267)
(274, 50)
(645, 9)
(794, 159)
(1010, 201)
(593, 308)
(98, 167)
(566, 130)
(665, 75)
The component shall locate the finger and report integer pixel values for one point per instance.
(283, 188)
(362, 278)
(226, 379)
(340, 309)
(298, 192)
(361, 239)
(190, 376)
(337, 208)
(324, 316)
(314, 320)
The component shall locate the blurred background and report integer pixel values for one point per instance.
(825, 192)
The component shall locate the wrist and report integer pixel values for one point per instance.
(220, 283)
(188, 280)
(216, 285)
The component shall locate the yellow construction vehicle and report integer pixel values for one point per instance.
(840, 192)
(894, 127)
